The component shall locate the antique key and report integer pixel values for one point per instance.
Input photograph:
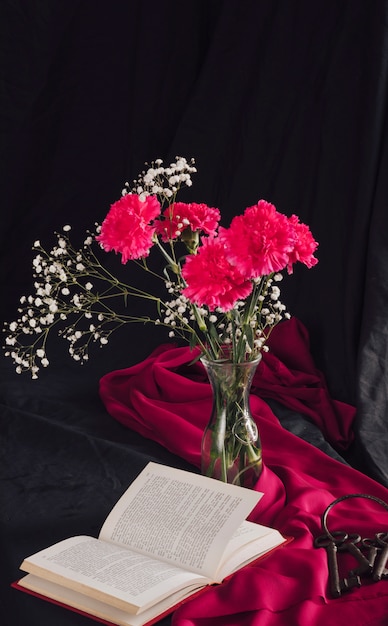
(373, 547)
(331, 546)
(379, 570)
(349, 545)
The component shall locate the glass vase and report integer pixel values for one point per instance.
(231, 446)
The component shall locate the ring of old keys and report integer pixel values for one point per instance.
(371, 555)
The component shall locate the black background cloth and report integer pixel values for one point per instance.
(285, 101)
(64, 463)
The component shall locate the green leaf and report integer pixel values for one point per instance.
(193, 341)
(249, 336)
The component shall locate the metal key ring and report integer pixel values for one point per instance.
(346, 497)
(338, 537)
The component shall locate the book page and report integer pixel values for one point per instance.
(179, 517)
(249, 542)
(105, 571)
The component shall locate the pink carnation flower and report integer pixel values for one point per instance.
(180, 215)
(304, 245)
(211, 280)
(259, 241)
(126, 228)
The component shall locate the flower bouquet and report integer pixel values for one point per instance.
(220, 285)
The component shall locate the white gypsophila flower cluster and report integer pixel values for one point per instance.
(230, 327)
(72, 295)
(262, 319)
(164, 182)
(178, 313)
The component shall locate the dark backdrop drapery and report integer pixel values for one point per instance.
(275, 99)
(278, 100)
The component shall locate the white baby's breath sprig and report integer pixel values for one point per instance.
(73, 295)
(165, 182)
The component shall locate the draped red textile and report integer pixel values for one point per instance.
(166, 399)
(288, 374)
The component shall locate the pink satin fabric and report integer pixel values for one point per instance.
(166, 399)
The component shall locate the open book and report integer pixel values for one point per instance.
(171, 533)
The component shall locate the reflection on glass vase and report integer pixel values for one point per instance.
(231, 446)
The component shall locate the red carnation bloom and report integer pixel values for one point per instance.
(180, 215)
(304, 245)
(126, 228)
(211, 280)
(259, 241)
